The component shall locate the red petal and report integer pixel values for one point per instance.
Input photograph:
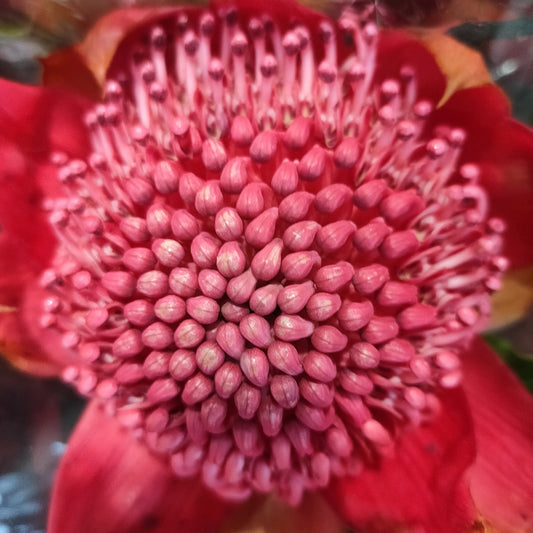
(398, 49)
(504, 149)
(422, 485)
(41, 120)
(108, 482)
(502, 475)
(38, 121)
(66, 69)
(23, 249)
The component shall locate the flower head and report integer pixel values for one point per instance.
(263, 267)
(271, 259)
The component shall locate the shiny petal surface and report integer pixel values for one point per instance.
(422, 486)
(501, 480)
(108, 482)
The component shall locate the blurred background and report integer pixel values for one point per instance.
(36, 416)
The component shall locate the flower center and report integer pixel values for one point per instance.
(263, 269)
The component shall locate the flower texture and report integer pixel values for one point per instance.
(264, 255)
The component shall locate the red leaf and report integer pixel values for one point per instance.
(40, 120)
(502, 475)
(398, 49)
(66, 69)
(108, 482)
(35, 123)
(422, 485)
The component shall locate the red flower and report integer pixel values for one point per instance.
(264, 257)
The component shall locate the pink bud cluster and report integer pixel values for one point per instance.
(264, 270)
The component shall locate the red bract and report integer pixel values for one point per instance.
(264, 256)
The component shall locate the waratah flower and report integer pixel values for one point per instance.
(264, 255)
